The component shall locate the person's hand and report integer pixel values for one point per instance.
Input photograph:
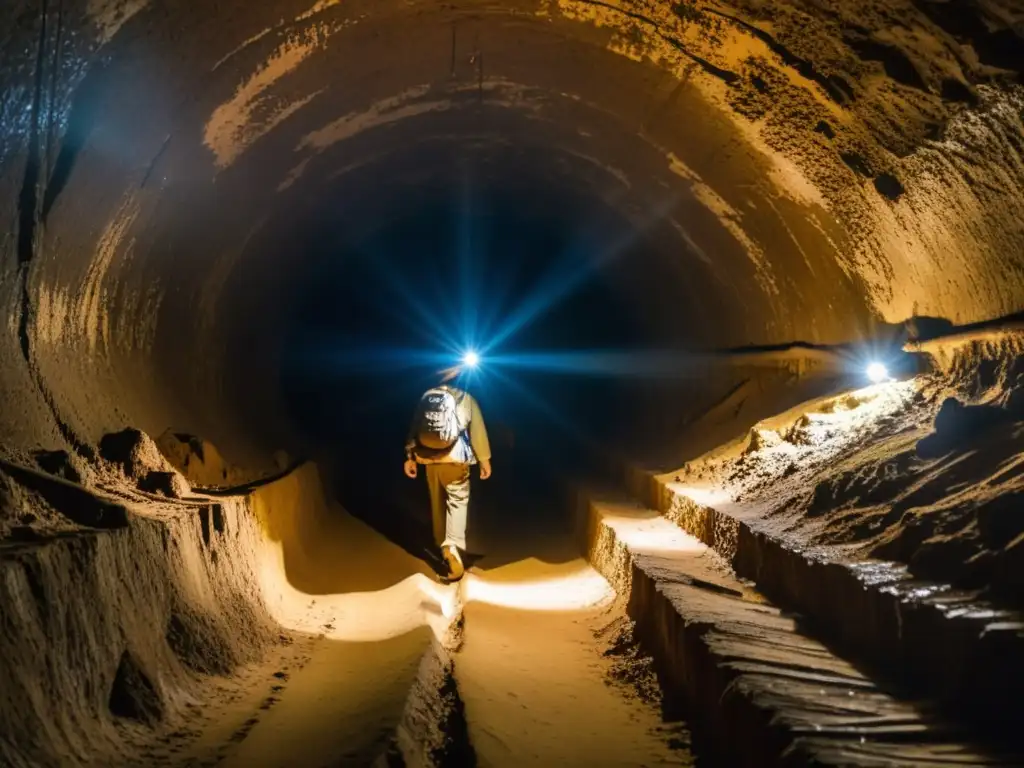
(485, 470)
(410, 468)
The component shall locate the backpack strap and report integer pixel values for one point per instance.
(458, 404)
(416, 450)
(423, 452)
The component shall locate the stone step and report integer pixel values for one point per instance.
(757, 690)
(946, 644)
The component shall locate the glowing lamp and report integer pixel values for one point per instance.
(471, 359)
(878, 373)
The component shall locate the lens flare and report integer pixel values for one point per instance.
(471, 359)
(878, 373)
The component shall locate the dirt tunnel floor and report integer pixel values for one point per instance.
(335, 692)
(531, 670)
(341, 706)
(536, 682)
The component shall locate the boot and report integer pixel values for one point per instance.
(454, 562)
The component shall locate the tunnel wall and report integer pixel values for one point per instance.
(825, 175)
(159, 606)
(172, 600)
(810, 175)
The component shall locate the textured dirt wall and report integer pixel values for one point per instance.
(811, 169)
(160, 603)
(804, 170)
(119, 639)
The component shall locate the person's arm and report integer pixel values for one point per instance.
(478, 439)
(410, 441)
(410, 446)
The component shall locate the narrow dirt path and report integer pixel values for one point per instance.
(530, 671)
(341, 708)
(362, 617)
(534, 678)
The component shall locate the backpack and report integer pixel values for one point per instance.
(437, 422)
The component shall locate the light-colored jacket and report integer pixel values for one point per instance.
(471, 421)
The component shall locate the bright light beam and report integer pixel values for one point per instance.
(877, 373)
(620, 364)
(540, 405)
(564, 281)
(573, 591)
(429, 318)
(469, 284)
(389, 358)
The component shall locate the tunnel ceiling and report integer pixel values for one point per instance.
(801, 169)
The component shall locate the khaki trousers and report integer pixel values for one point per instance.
(449, 502)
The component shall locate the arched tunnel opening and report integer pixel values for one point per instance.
(745, 288)
(490, 254)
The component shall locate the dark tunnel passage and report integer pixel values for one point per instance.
(745, 281)
(522, 272)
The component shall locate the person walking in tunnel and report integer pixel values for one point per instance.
(448, 436)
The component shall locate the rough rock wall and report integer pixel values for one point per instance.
(112, 636)
(902, 119)
(144, 143)
(107, 636)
